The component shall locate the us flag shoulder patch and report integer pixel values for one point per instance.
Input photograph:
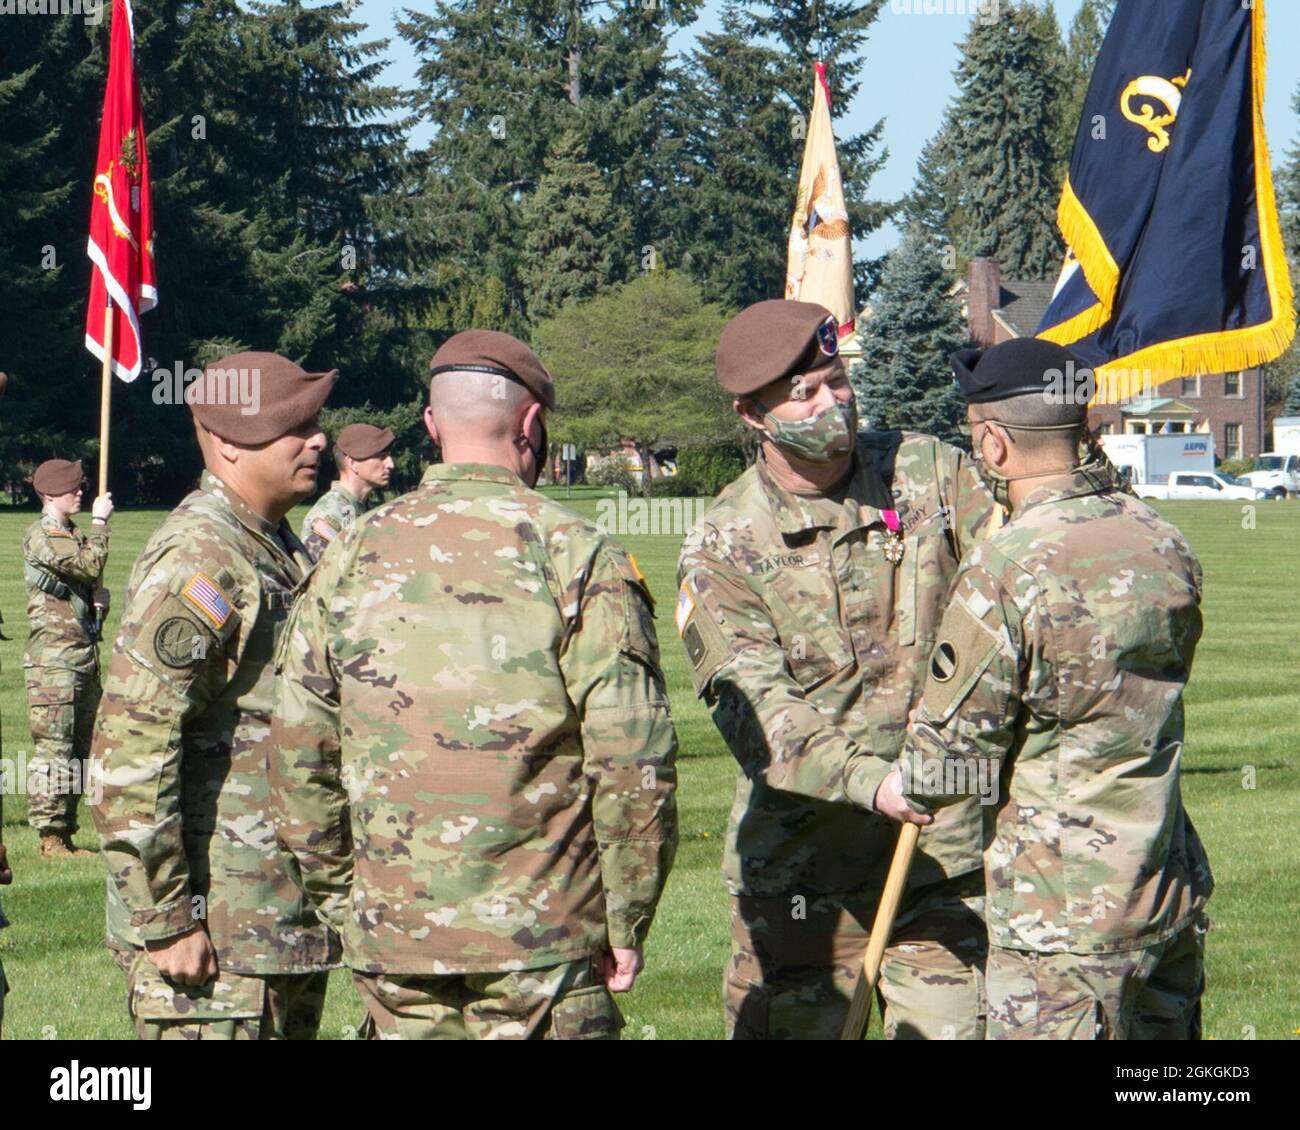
(202, 593)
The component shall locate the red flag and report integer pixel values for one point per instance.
(121, 215)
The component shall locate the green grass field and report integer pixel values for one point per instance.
(1243, 715)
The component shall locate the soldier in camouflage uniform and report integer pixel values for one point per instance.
(62, 567)
(1061, 664)
(361, 452)
(810, 595)
(474, 757)
(218, 941)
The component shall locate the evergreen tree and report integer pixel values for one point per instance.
(1288, 194)
(1282, 377)
(747, 92)
(501, 82)
(1086, 34)
(926, 206)
(904, 379)
(1293, 398)
(1059, 77)
(44, 82)
(1001, 131)
(735, 192)
(577, 243)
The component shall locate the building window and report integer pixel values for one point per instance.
(1191, 386)
(1105, 429)
(1232, 441)
(1232, 384)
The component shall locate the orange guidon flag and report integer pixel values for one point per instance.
(121, 214)
(819, 266)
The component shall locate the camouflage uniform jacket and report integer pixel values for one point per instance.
(476, 756)
(60, 629)
(809, 647)
(1064, 654)
(182, 740)
(333, 513)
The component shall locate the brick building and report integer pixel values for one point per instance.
(1230, 405)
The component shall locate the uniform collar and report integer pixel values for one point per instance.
(341, 489)
(280, 535)
(48, 519)
(1093, 478)
(480, 472)
(795, 515)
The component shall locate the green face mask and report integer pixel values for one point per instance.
(822, 438)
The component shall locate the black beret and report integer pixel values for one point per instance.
(490, 351)
(773, 339)
(1019, 367)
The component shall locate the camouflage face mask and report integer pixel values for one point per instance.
(821, 438)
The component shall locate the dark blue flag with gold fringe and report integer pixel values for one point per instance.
(1176, 264)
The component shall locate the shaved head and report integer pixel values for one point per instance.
(478, 407)
(1037, 411)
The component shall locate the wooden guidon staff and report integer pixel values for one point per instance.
(855, 1025)
(105, 396)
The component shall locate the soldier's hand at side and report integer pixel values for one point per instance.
(890, 801)
(102, 508)
(6, 875)
(619, 967)
(188, 959)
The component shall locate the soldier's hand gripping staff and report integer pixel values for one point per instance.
(810, 596)
(62, 566)
(1058, 677)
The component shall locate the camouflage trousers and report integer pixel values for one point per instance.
(561, 1002)
(1144, 994)
(61, 708)
(283, 1007)
(794, 964)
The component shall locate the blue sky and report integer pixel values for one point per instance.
(908, 81)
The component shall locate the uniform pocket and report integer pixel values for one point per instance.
(585, 1014)
(229, 997)
(51, 686)
(923, 577)
(805, 606)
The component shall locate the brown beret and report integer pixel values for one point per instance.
(774, 339)
(489, 351)
(58, 476)
(284, 395)
(363, 441)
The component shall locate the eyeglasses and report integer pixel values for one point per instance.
(966, 428)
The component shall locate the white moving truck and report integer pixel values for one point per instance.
(1286, 435)
(1151, 459)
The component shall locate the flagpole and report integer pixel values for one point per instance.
(105, 392)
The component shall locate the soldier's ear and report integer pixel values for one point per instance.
(750, 411)
(431, 427)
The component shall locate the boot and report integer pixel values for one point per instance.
(54, 847)
(59, 845)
